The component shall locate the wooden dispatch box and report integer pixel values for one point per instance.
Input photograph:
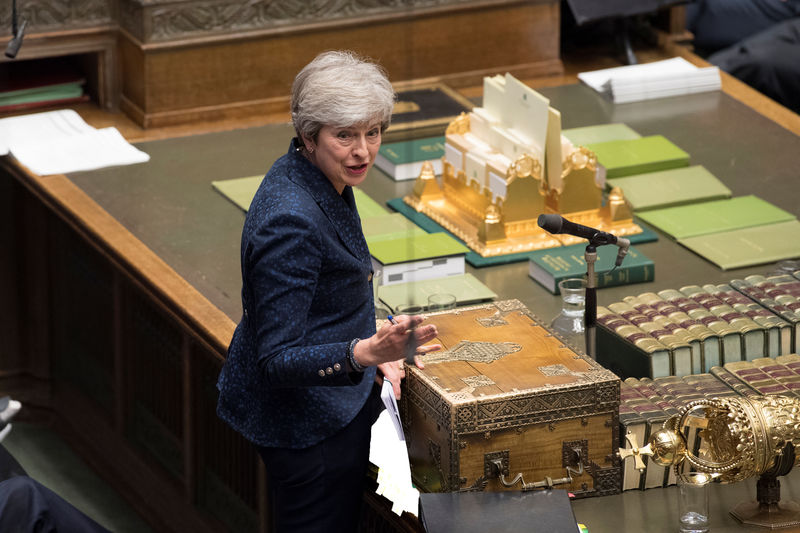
(505, 396)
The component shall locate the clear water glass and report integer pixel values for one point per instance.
(569, 322)
(441, 301)
(693, 503)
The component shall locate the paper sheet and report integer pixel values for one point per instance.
(388, 452)
(58, 142)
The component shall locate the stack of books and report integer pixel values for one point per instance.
(693, 329)
(634, 83)
(33, 85)
(645, 403)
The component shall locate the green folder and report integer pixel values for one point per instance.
(599, 133)
(416, 248)
(240, 191)
(705, 218)
(667, 188)
(465, 287)
(748, 246)
(637, 156)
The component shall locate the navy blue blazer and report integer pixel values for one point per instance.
(306, 294)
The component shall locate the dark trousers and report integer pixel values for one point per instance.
(27, 506)
(320, 488)
(768, 61)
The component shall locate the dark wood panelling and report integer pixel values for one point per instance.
(224, 78)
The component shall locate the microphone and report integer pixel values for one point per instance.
(556, 224)
(17, 33)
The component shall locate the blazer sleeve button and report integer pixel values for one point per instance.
(329, 371)
(337, 367)
(321, 373)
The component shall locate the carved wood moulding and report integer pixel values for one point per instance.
(157, 21)
(58, 15)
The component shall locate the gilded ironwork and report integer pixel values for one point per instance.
(472, 352)
(744, 436)
(477, 381)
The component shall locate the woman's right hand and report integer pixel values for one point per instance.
(389, 343)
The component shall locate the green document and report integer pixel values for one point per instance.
(600, 133)
(637, 156)
(748, 246)
(671, 187)
(465, 287)
(706, 218)
(548, 267)
(388, 226)
(240, 191)
(367, 207)
(416, 248)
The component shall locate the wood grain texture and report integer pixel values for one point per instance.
(222, 79)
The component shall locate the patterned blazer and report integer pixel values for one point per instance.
(306, 294)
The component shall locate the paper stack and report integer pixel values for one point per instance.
(388, 452)
(58, 142)
(670, 77)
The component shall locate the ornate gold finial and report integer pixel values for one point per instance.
(618, 206)
(460, 125)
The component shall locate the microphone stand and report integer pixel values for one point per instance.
(590, 309)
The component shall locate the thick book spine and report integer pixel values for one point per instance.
(778, 331)
(627, 350)
(757, 379)
(666, 323)
(655, 475)
(758, 295)
(733, 382)
(730, 339)
(786, 376)
(752, 335)
(631, 423)
(710, 345)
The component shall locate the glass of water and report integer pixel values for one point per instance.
(693, 502)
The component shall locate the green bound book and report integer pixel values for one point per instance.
(586, 135)
(637, 156)
(693, 220)
(550, 266)
(668, 188)
(403, 160)
(418, 257)
(389, 226)
(749, 246)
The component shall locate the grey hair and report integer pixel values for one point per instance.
(340, 89)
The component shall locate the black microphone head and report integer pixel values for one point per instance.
(14, 44)
(550, 223)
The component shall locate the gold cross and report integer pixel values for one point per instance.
(635, 451)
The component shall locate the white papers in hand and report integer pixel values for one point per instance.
(58, 142)
(388, 452)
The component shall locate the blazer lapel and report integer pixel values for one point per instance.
(340, 209)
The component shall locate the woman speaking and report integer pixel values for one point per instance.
(298, 379)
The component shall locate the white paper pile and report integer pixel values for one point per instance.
(670, 77)
(388, 452)
(58, 142)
